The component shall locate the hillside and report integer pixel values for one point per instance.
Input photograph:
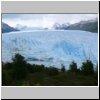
(90, 25)
(7, 28)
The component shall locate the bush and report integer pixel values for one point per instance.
(21, 73)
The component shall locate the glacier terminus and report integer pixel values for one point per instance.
(51, 47)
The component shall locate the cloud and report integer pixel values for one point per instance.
(44, 20)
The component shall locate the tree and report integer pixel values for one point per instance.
(73, 67)
(19, 67)
(96, 68)
(52, 71)
(63, 68)
(87, 67)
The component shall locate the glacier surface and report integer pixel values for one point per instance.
(51, 47)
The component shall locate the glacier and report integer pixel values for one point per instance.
(51, 47)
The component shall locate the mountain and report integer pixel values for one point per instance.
(7, 28)
(20, 27)
(51, 48)
(25, 28)
(58, 26)
(89, 25)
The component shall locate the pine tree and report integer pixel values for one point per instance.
(63, 68)
(19, 67)
(87, 67)
(73, 67)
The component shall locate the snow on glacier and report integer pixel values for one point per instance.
(51, 47)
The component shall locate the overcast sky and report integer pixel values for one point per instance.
(44, 20)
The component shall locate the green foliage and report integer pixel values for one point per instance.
(96, 69)
(52, 71)
(21, 73)
(87, 68)
(63, 68)
(19, 67)
(73, 67)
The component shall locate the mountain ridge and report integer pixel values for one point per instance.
(6, 28)
(89, 25)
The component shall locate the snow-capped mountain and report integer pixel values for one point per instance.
(7, 28)
(20, 27)
(26, 28)
(51, 48)
(89, 25)
(60, 26)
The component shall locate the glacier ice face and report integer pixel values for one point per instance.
(51, 47)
